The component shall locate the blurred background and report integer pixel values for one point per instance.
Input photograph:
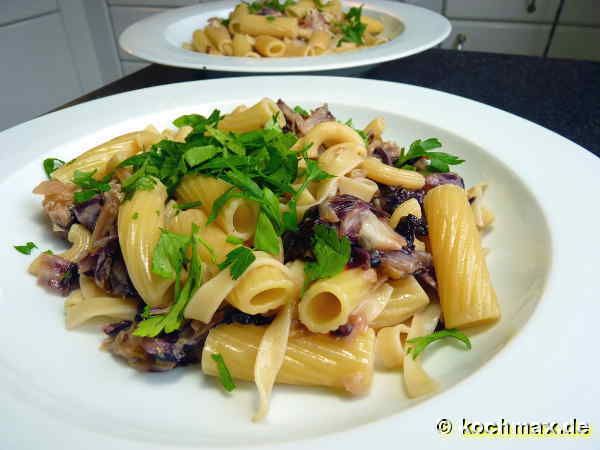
(56, 50)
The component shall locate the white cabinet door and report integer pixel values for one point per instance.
(38, 72)
(516, 10)
(497, 37)
(576, 42)
(14, 10)
(581, 12)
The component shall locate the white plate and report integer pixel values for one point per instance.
(159, 38)
(539, 363)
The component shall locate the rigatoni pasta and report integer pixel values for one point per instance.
(270, 244)
(293, 29)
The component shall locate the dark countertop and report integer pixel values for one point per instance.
(562, 95)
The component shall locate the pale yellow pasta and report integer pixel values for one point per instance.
(319, 41)
(300, 9)
(310, 359)
(140, 220)
(416, 380)
(316, 194)
(241, 45)
(182, 133)
(392, 176)
(269, 46)
(79, 310)
(327, 134)
(464, 285)
(334, 8)
(296, 49)
(340, 159)
(279, 27)
(219, 38)
(487, 217)
(263, 289)
(207, 299)
(328, 303)
(410, 206)
(408, 297)
(237, 217)
(483, 215)
(375, 128)
(199, 41)
(374, 26)
(98, 157)
(374, 303)
(345, 47)
(81, 240)
(89, 288)
(360, 187)
(253, 118)
(240, 11)
(213, 51)
(389, 349)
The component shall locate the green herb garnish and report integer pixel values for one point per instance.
(438, 161)
(271, 18)
(418, 344)
(331, 254)
(188, 205)
(51, 164)
(25, 249)
(238, 260)
(255, 7)
(135, 215)
(90, 187)
(224, 374)
(234, 240)
(352, 28)
(300, 110)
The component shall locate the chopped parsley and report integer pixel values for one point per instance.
(51, 164)
(331, 254)
(255, 7)
(188, 205)
(90, 187)
(238, 260)
(234, 240)
(224, 374)
(300, 110)
(169, 260)
(25, 249)
(418, 344)
(438, 161)
(135, 215)
(271, 18)
(352, 28)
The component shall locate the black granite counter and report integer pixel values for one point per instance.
(562, 95)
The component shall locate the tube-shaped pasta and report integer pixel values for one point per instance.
(300, 8)
(220, 38)
(98, 157)
(410, 206)
(200, 42)
(333, 7)
(237, 217)
(262, 290)
(340, 159)
(319, 41)
(328, 303)
(392, 176)
(362, 188)
(241, 45)
(81, 239)
(79, 310)
(279, 27)
(345, 47)
(253, 118)
(327, 134)
(464, 285)
(139, 222)
(375, 127)
(310, 359)
(269, 46)
(374, 26)
(240, 11)
(296, 49)
(408, 297)
(388, 346)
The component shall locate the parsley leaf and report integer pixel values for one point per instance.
(238, 260)
(438, 161)
(419, 343)
(265, 237)
(270, 4)
(352, 28)
(90, 187)
(224, 375)
(331, 253)
(51, 164)
(197, 155)
(234, 240)
(300, 110)
(271, 18)
(188, 205)
(25, 249)
(169, 254)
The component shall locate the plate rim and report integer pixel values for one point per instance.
(139, 40)
(546, 314)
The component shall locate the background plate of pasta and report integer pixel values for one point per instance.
(249, 262)
(287, 36)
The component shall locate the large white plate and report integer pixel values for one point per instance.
(158, 39)
(58, 391)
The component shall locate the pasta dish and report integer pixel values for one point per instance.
(268, 28)
(271, 244)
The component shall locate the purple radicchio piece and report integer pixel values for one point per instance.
(359, 257)
(107, 268)
(437, 179)
(410, 227)
(398, 264)
(299, 125)
(57, 274)
(266, 11)
(387, 152)
(87, 213)
(298, 244)
(390, 197)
